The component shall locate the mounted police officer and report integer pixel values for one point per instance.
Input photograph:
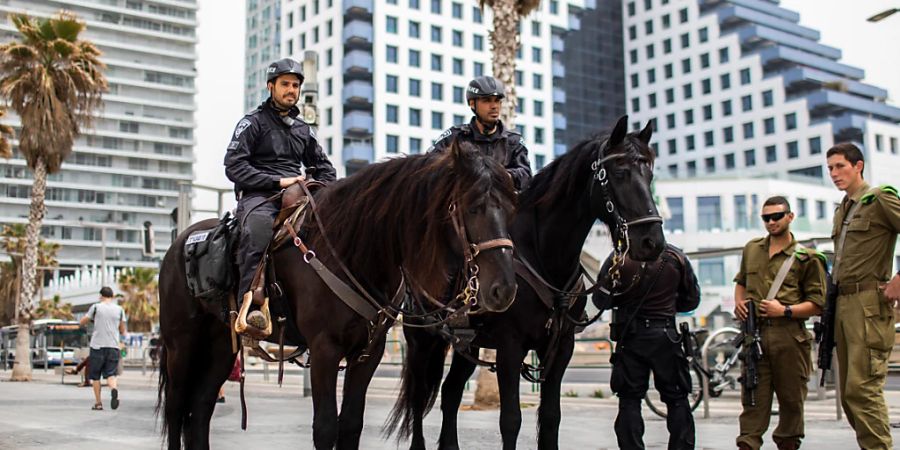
(648, 341)
(268, 150)
(484, 96)
(785, 283)
(865, 231)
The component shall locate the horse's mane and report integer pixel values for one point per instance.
(565, 176)
(396, 212)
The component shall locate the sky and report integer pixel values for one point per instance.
(875, 47)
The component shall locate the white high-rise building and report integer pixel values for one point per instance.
(263, 45)
(391, 82)
(126, 169)
(740, 87)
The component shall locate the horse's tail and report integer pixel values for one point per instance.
(161, 392)
(420, 382)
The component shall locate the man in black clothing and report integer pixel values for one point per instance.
(484, 96)
(267, 153)
(648, 340)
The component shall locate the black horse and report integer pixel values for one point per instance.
(606, 178)
(414, 217)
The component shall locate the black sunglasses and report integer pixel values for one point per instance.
(774, 217)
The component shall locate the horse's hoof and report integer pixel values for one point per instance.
(257, 319)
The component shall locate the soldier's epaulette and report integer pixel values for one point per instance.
(889, 189)
(802, 254)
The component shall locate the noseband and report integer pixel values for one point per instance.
(471, 251)
(621, 240)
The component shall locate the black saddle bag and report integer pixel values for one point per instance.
(208, 260)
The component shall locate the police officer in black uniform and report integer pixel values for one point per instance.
(267, 153)
(484, 96)
(651, 342)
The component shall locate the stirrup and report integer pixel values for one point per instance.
(243, 328)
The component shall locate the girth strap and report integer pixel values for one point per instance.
(344, 292)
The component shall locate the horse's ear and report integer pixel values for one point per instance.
(619, 132)
(646, 133)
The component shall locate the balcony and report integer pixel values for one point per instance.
(358, 93)
(358, 64)
(802, 79)
(735, 16)
(358, 34)
(358, 9)
(559, 121)
(830, 103)
(559, 95)
(559, 149)
(780, 58)
(358, 124)
(557, 43)
(754, 36)
(359, 152)
(574, 22)
(559, 69)
(762, 6)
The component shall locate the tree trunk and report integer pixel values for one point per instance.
(504, 43)
(22, 368)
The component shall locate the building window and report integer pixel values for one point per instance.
(745, 76)
(414, 58)
(437, 91)
(709, 213)
(478, 42)
(673, 170)
(728, 134)
(632, 33)
(748, 130)
(726, 108)
(741, 213)
(458, 119)
(651, 76)
(703, 34)
(633, 56)
(668, 71)
(670, 121)
(538, 135)
(415, 87)
(648, 27)
(436, 6)
(879, 142)
(688, 91)
(476, 15)
(723, 55)
(648, 4)
(670, 96)
(790, 121)
(535, 54)
(536, 28)
(391, 114)
(815, 145)
(651, 51)
(688, 116)
(769, 125)
(538, 108)
(893, 141)
(747, 103)
(414, 4)
(707, 112)
(666, 21)
(689, 143)
(793, 151)
(708, 139)
(537, 81)
(801, 207)
(554, 7)
(456, 9)
(436, 62)
(771, 154)
(391, 24)
(767, 98)
(729, 161)
(673, 148)
(393, 143)
(685, 40)
(667, 46)
(676, 211)
(711, 271)
(478, 69)
(457, 66)
(686, 65)
(415, 117)
(437, 120)
(391, 83)
(391, 54)
(539, 162)
(436, 32)
(413, 29)
(820, 209)
(634, 80)
(749, 158)
(651, 100)
(415, 146)
(683, 15)
(457, 38)
(704, 60)
(630, 7)
(635, 104)
(692, 168)
(458, 94)
(725, 80)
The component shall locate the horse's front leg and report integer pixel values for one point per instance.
(461, 369)
(356, 383)
(549, 412)
(324, 358)
(509, 364)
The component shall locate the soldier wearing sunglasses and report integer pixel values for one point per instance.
(785, 282)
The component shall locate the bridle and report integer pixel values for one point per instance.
(621, 240)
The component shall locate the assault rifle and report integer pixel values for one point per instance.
(824, 330)
(751, 353)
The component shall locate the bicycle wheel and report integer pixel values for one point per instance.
(720, 359)
(655, 403)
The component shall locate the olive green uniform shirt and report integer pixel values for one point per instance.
(871, 235)
(804, 282)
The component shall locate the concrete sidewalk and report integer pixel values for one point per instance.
(46, 413)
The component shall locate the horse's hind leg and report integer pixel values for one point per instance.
(356, 383)
(324, 358)
(178, 355)
(509, 363)
(210, 374)
(461, 369)
(425, 369)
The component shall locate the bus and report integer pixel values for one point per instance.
(53, 342)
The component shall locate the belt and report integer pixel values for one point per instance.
(780, 321)
(854, 288)
(668, 322)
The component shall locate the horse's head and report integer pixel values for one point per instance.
(620, 192)
(481, 211)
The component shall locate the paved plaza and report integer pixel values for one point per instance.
(46, 413)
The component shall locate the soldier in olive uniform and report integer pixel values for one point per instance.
(867, 292)
(786, 344)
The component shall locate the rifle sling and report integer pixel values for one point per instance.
(839, 250)
(780, 276)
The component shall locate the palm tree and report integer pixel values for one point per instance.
(504, 44)
(53, 308)
(140, 296)
(53, 81)
(12, 242)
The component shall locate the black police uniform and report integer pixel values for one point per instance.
(504, 146)
(652, 343)
(265, 148)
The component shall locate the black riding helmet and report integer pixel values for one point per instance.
(283, 66)
(482, 87)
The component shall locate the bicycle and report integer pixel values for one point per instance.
(723, 349)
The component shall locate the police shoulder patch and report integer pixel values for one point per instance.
(241, 126)
(444, 135)
(233, 145)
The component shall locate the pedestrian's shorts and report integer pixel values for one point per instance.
(103, 361)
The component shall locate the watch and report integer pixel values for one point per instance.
(787, 312)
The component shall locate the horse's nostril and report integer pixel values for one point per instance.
(648, 243)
